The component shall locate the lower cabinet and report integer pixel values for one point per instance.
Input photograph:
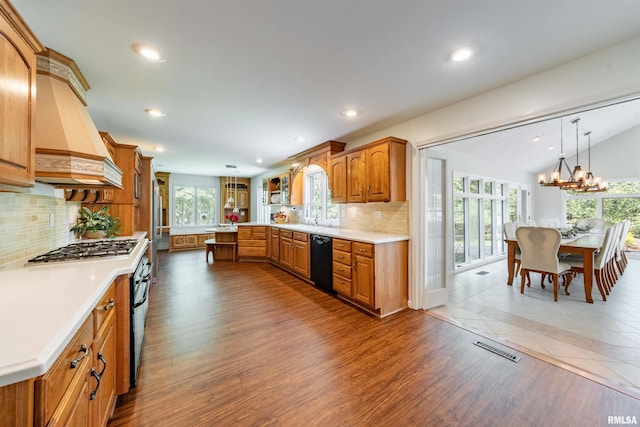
(185, 242)
(80, 387)
(374, 277)
(252, 242)
(274, 243)
(300, 261)
(290, 250)
(286, 249)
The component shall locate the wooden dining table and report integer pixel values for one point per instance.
(586, 245)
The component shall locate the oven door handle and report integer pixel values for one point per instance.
(145, 282)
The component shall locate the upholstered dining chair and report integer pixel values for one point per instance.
(601, 263)
(509, 231)
(621, 257)
(539, 247)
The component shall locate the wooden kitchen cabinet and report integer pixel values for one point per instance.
(274, 254)
(164, 188)
(18, 47)
(240, 190)
(373, 277)
(129, 159)
(338, 179)
(252, 242)
(300, 258)
(286, 249)
(185, 242)
(61, 395)
(375, 172)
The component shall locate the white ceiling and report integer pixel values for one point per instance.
(243, 78)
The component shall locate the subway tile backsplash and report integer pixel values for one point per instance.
(392, 217)
(31, 224)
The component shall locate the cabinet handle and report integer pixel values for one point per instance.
(97, 376)
(362, 191)
(369, 190)
(340, 269)
(340, 256)
(355, 264)
(362, 250)
(75, 362)
(104, 362)
(340, 245)
(110, 305)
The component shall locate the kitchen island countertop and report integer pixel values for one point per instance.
(42, 306)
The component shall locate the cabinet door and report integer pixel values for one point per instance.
(300, 259)
(356, 177)
(243, 199)
(16, 121)
(191, 240)
(103, 394)
(338, 179)
(363, 280)
(275, 246)
(286, 252)
(378, 171)
(284, 189)
(79, 408)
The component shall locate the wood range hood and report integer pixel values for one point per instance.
(69, 150)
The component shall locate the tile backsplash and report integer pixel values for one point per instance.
(31, 224)
(392, 217)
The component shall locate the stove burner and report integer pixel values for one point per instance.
(85, 250)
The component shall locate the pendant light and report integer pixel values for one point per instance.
(576, 181)
(592, 184)
(235, 190)
(556, 176)
(229, 191)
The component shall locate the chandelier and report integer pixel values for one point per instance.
(577, 179)
(556, 177)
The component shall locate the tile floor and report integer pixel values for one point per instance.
(602, 338)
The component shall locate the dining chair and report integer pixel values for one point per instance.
(601, 261)
(621, 257)
(539, 247)
(509, 230)
(595, 224)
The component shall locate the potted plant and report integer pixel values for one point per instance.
(96, 224)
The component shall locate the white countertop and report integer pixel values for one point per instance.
(43, 306)
(340, 233)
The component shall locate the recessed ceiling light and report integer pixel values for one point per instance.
(535, 139)
(299, 139)
(550, 147)
(154, 113)
(259, 160)
(147, 52)
(161, 149)
(461, 54)
(349, 113)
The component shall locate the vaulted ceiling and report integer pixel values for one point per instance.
(243, 79)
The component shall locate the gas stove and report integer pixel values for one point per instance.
(88, 250)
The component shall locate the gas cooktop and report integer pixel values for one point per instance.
(88, 250)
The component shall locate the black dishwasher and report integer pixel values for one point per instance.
(321, 265)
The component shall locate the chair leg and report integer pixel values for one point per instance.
(544, 275)
(600, 284)
(555, 287)
(566, 280)
(523, 276)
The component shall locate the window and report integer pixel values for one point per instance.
(319, 207)
(620, 202)
(194, 206)
(480, 206)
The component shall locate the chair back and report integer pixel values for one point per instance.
(626, 224)
(539, 247)
(601, 258)
(509, 229)
(596, 224)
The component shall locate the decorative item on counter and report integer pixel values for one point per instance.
(233, 219)
(280, 217)
(96, 225)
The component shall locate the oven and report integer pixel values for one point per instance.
(139, 292)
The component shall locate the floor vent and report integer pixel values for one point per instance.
(482, 273)
(497, 351)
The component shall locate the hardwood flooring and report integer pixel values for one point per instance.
(246, 344)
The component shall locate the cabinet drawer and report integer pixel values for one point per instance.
(252, 251)
(343, 245)
(342, 257)
(259, 229)
(50, 388)
(286, 233)
(342, 270)
(259, 235)
(106, 305)
(342, 285)
(252, 243)
(364, 249)
(244, 233)
(301, 237)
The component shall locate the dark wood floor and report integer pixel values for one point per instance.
(246, 344)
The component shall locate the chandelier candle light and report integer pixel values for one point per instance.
(555, 178)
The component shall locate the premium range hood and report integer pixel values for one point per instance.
(69, 150)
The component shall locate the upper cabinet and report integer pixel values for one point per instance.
(235, 193)
(375, 172)
(18, 47)
(163, 186)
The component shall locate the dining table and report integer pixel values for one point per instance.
(586, 245)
